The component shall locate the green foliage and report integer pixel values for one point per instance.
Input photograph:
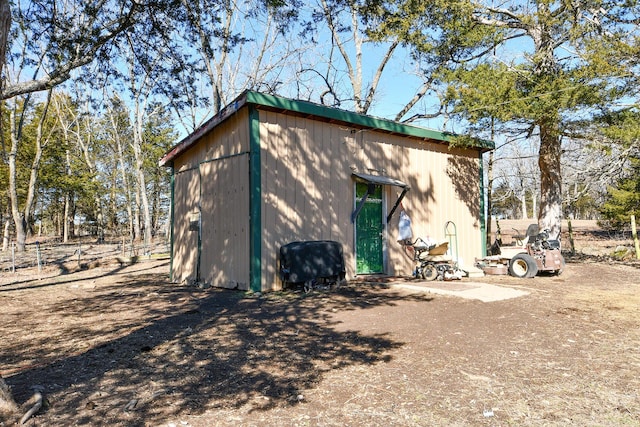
(159, 136)
(505, 203)
(623, 199)
(523, 69)
(623, 127)
(583, 207)
(486, 92)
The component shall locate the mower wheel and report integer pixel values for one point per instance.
(429, 272)
(523, 265)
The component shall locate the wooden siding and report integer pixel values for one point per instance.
(225, 222)
(185, 237)
(308, 191)
(229, 138)
(304, 171)
(445, 186)
(215, 168)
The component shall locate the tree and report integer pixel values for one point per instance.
(8, 406)
(51, 40)
(117, 131)
(5, 27)
(587, 171)
(231, 46)
(623, 198)
(560, 76)
(348, 37)
(159, 136)
(22, 207)
(505, 203)
(58, 38)
(77, 160)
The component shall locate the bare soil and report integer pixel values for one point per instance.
(120, 345)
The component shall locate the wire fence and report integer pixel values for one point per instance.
(40, 254)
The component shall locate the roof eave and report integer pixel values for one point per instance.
(312, 110)
(205, 128)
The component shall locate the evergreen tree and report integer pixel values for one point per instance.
(159, 136)
(624, 198)
(540, 69)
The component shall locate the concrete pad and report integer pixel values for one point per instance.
(464, 289)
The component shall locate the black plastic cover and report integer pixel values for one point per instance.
(309, 260)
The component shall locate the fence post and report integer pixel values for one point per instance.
(571, 242)
(38, 257)
(634, 233)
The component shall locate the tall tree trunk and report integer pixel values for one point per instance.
(123, 174)
(550, 213)
(5, 26)
(155, 203)
(523, 203)
(8, 406)
(143, 199)
(137, 230)
(545, 63)
(145, 208)
(20, 218)
(85, 148)
(5, 236)
(67, 201)
(65, 219)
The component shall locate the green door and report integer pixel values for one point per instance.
(369, 231)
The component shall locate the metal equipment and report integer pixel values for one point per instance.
(432, 261)
(532, 253)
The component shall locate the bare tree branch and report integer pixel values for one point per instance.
(83, 55)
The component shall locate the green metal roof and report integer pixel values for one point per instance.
(318, 112)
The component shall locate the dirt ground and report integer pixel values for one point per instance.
(119, 345)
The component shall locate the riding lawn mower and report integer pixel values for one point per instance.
(533, 253)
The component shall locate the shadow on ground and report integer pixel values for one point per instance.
(191, 350)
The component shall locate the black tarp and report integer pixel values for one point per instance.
(311, 260)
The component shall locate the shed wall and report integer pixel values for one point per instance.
(186, 225)
(308, 191)
(212, 179)
(225, 222)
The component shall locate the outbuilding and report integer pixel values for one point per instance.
(267, 171)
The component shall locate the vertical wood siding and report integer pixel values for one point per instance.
(185, 240)
(304, 195)
(225, 223)
(308, 191)
(212, 178)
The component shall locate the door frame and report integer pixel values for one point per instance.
(387, 183)
(384, 246)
